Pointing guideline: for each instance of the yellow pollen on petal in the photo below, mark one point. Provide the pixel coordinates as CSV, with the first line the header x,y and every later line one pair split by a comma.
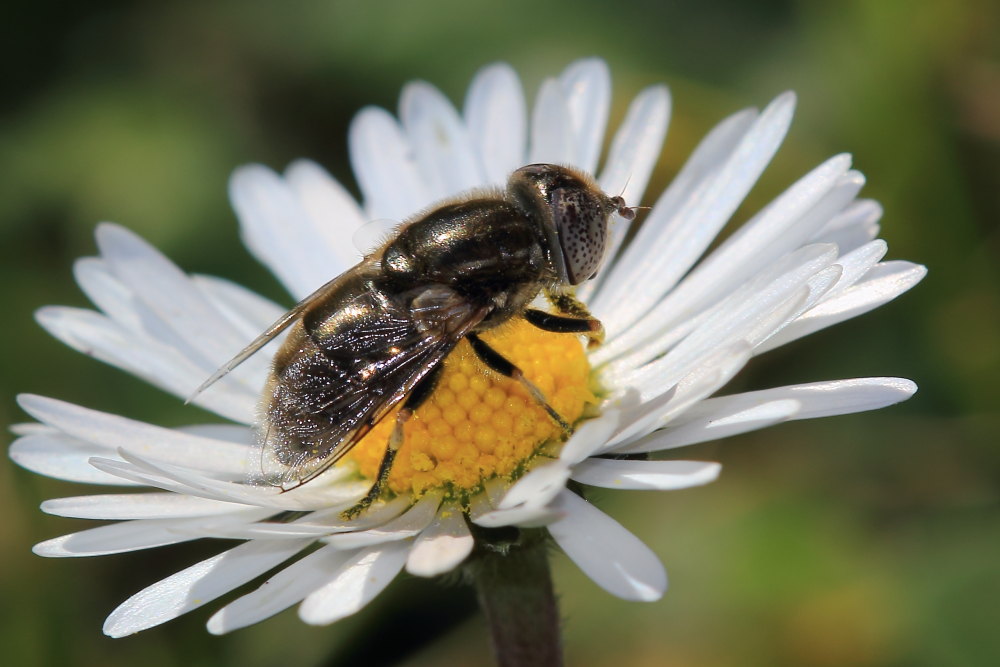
x,y
478,424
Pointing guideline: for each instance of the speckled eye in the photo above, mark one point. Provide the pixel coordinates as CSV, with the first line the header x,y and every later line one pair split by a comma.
x,y
582,225
572,212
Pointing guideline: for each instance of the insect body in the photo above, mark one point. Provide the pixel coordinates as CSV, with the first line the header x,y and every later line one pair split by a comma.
x,y
376,336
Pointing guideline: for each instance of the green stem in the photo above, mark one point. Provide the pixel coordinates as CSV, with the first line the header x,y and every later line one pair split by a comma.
x,y
514,587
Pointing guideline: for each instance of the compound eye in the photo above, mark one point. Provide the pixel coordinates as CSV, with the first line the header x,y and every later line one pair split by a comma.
x,y
582,228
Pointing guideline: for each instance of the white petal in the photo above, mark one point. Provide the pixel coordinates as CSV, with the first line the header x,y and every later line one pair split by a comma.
x,y
112,432
31,428
383,164
842,397
279,232
636,146
640,416
751,313
551,127
827,399
779,229
745,329
332,209
279,592
479,505
633,155
707,377
127,310
692,426
62,457
136,338
263,530
657,475
607,553
170,293
406,525
372,235
525,516
188,481
586,86
139,475
692,222
234,433
818,287
316,524
109,294
537,487
852,238
749,321
590,437
440,144
729,415
361,578
442,546
97,336
127,536
856,264
882,284
197,585
496,115
527,502
495,489
122,506
854,226
709,155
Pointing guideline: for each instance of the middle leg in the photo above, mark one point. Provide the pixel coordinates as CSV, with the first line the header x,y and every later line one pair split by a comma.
x,y
505,367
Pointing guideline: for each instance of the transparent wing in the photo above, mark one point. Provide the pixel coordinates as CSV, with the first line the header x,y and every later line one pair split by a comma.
x,y
329,396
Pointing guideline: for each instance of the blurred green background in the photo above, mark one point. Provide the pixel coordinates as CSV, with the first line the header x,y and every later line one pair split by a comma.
x,y
864,540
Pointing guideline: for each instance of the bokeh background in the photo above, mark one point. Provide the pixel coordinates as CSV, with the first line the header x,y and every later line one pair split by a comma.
x,y
864,540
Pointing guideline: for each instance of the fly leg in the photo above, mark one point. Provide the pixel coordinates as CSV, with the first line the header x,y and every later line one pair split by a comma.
x,y
501,365
420,393
575,318
560,324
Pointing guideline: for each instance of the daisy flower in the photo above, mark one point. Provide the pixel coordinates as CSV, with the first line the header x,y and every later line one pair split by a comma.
x,y
479,455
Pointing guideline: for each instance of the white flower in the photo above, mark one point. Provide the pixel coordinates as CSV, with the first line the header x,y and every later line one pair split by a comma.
x,y
678,330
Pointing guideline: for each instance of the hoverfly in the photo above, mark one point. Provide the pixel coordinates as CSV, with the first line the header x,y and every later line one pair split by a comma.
x,y
376,336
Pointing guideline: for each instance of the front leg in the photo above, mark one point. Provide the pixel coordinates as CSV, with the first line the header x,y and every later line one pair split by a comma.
x,y
575,318
593,329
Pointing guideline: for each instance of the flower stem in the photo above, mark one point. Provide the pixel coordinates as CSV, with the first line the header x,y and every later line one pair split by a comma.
x,y
514,587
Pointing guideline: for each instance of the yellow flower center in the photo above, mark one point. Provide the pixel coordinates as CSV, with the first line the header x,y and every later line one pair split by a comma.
x,y
478,424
